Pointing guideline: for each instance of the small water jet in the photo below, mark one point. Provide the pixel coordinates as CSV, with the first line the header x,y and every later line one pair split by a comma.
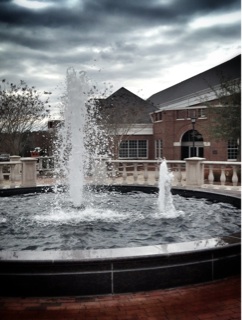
x,y
166,206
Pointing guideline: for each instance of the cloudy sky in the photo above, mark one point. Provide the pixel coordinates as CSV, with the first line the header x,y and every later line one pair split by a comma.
x,y
142,45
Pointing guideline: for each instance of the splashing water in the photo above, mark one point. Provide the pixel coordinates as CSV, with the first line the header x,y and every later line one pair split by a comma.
x,y
165,200
73,154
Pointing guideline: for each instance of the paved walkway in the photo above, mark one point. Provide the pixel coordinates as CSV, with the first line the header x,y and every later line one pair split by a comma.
x,y
218,300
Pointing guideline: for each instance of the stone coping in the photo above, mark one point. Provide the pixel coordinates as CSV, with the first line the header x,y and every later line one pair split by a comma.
x,y
120,253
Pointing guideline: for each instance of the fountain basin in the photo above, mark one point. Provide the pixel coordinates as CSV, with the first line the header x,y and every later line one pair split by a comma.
x,y
121,270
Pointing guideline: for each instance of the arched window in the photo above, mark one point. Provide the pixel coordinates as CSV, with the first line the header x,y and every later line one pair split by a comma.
x,y
188,136
191,144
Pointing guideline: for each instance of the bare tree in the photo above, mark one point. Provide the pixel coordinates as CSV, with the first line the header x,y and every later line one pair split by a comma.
x,y
121,113
21,111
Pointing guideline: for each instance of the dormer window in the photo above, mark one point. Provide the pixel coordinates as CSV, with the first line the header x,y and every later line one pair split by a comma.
x,y
157,116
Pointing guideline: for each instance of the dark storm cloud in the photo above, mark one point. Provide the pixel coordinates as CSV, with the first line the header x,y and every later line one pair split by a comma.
x,y
97,11
130,39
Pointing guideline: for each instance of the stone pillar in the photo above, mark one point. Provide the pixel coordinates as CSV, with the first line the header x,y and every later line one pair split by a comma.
x,y
194,171
29,172
17,168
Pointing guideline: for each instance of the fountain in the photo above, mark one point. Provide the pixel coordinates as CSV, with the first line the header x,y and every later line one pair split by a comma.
x,y
51,262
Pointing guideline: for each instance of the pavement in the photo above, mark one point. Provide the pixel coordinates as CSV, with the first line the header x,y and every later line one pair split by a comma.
x,y
219,300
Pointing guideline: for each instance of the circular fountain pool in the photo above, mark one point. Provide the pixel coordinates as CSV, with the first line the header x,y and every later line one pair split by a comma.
x,y
47,221
118,270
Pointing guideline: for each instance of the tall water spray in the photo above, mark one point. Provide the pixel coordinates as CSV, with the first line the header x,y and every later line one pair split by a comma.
x,y
72,135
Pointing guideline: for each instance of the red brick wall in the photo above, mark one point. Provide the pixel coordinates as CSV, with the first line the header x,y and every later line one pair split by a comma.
x,y
171,130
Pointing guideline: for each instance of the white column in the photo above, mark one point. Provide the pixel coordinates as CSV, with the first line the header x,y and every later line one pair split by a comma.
x,y
223,176
210,175
124,173
194,171
179,175
1,176
29,172
146,173
135,172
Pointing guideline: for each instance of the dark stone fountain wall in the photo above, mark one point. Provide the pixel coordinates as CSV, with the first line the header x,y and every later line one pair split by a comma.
x,y
112,271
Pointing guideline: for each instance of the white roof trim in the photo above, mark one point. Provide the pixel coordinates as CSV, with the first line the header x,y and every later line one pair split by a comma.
x,y
139,129
191,99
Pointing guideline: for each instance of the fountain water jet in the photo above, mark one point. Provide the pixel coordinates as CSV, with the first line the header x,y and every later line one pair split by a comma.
x,y
72,135
165,200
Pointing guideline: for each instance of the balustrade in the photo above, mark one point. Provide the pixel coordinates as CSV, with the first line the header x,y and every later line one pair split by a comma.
x,y
18,173
144,172
45,164
215,174
8,174
222,173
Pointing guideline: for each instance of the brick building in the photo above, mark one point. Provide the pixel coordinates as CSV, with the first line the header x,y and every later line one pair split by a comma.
x,y
175,123
181,125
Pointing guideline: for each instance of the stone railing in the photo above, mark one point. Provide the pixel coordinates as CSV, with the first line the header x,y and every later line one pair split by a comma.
x,y
45,164
222,173
192,172
18,172
144,172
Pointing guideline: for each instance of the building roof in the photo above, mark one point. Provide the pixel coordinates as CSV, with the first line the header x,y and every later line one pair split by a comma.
x,y
126,102
189,90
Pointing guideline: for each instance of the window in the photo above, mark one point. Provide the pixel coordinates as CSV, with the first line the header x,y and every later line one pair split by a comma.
x,y
157,116
232,150
133,149
201,113
158,149
191,113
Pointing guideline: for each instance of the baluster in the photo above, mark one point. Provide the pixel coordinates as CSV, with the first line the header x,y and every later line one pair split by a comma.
x,y
135,172
223,176
235,176
210,175
47,163
113,177
124,173
179,175
1,176
12,176
38,164
157,166
146,173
